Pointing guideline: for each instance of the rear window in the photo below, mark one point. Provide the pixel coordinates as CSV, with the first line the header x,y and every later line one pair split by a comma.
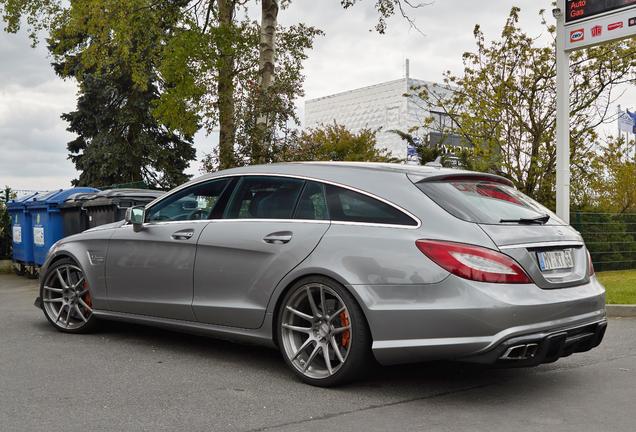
x,y
485,202
349,206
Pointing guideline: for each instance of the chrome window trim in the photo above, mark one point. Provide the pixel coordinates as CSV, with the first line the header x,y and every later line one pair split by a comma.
x,y
261,174
574,243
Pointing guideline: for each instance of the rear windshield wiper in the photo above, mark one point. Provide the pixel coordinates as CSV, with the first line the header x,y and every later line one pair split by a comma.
x,y
539,220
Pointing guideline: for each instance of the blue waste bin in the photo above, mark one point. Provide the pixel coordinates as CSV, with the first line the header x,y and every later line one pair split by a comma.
x,y
21,233
47,221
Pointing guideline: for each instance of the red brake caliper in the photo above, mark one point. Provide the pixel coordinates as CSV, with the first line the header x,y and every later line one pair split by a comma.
x,y
87,297
346,336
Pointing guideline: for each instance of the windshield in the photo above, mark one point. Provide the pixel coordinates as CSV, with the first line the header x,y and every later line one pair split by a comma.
x,y
486,202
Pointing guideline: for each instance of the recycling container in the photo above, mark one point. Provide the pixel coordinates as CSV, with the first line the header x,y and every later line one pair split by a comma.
x,y
110,205
74,215
21,232
47,222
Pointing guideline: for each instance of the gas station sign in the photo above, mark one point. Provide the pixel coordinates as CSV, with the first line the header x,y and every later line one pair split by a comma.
x,y
592,22
581,24
577,10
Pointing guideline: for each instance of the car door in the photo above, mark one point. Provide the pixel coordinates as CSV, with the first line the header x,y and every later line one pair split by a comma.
x,y
270,225
150,272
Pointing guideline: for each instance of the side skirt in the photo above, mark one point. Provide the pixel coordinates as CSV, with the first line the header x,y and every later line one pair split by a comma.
x,y
261,336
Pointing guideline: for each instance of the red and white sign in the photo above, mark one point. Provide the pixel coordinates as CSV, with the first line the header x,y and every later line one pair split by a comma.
x,y
614,26
577,35
594,22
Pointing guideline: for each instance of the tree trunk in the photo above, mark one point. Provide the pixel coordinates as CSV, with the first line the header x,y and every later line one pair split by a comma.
x,y
269,19
267,52
226,88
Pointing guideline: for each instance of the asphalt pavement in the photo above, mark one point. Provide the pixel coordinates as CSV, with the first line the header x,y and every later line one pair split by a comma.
x,y
134,378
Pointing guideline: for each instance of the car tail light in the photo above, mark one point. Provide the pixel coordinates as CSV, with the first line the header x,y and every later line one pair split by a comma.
x,y
590,264
473,262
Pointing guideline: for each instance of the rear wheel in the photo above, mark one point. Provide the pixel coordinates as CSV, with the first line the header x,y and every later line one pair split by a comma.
x,y
66,298
322,332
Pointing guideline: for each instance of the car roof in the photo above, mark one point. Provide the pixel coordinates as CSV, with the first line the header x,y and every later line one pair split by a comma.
x,y
415,172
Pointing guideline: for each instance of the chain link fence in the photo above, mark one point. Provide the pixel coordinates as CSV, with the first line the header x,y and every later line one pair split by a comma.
x,y
610,238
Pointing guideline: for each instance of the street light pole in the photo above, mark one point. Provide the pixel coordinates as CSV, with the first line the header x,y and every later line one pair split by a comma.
x,y
563,117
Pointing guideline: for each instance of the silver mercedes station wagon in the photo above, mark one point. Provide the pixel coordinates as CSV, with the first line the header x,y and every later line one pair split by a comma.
x,y
339,263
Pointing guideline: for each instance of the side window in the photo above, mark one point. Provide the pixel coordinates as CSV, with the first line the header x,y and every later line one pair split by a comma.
x,y
349,206
193,203
264,198
313,203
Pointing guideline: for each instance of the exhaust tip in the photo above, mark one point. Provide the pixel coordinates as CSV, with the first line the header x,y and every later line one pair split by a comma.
x,y
520,352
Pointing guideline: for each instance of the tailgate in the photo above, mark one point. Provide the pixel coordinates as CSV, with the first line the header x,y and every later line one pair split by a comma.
x,y
553,256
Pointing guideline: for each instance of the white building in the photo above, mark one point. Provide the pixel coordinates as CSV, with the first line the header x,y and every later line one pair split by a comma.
x,y
383,107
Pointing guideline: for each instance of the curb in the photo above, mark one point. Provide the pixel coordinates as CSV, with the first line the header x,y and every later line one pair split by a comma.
x,y
620,311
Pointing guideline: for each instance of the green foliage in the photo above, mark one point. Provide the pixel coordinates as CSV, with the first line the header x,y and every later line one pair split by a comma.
x,y
5,223
504,102
610,237
612,180
191,62
332,142
112,49
119,140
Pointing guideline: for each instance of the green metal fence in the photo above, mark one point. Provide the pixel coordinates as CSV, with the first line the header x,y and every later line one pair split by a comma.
x,y
610,238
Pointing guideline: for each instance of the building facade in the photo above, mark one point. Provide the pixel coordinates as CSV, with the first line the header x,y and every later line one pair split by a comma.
x,y
392,105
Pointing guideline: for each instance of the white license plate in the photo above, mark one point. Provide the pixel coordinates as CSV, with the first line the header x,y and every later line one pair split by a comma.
x,y
554,260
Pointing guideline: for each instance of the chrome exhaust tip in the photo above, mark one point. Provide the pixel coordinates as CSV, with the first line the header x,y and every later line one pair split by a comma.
x,y
520,352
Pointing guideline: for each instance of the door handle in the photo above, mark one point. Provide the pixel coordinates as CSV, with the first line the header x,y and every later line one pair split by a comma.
x,y
280,237
183,234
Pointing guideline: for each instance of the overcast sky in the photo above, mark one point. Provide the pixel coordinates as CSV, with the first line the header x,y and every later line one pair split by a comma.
x,y
33,137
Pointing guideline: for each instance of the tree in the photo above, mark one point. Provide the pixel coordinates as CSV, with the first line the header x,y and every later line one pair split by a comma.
x,y
612,185
215,67
331,142
119,140
5,222
504,103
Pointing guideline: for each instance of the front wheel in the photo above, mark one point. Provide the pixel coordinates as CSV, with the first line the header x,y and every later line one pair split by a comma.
x,y
322,333
66,298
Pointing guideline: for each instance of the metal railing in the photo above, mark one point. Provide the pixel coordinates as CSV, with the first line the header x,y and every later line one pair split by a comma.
x,y
610,238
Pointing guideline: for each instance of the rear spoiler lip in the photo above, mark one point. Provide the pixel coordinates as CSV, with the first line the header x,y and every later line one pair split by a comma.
x,y
462,176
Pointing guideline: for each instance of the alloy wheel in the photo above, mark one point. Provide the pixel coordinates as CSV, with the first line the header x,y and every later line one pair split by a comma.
x,y
316,331
66,297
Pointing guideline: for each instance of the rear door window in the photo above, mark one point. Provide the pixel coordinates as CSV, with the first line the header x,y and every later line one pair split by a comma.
x,y
313,203
485,202
349,206
262,197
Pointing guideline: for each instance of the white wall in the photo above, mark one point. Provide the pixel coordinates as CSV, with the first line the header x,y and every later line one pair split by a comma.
x,y
381,106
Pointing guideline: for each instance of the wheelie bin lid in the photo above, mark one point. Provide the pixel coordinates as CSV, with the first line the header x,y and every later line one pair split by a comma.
x,y
78,199
110,196
54,199
20,202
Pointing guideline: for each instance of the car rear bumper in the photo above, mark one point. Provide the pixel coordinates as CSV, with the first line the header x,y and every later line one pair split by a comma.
x,y
545,347
464,320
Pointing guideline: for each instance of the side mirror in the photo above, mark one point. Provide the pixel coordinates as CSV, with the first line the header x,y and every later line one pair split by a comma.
x,y
135,216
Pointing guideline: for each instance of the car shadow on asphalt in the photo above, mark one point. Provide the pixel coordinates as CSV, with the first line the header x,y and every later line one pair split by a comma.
x,y
441,375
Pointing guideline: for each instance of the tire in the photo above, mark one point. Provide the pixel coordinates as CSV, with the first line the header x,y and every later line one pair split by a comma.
x,y
66,298
323,349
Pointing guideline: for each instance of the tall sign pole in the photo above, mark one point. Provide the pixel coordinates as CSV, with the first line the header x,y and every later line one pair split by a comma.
x,y
581,24
562,118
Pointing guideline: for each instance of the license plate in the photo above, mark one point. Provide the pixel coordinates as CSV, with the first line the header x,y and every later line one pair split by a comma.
x,y
554,260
